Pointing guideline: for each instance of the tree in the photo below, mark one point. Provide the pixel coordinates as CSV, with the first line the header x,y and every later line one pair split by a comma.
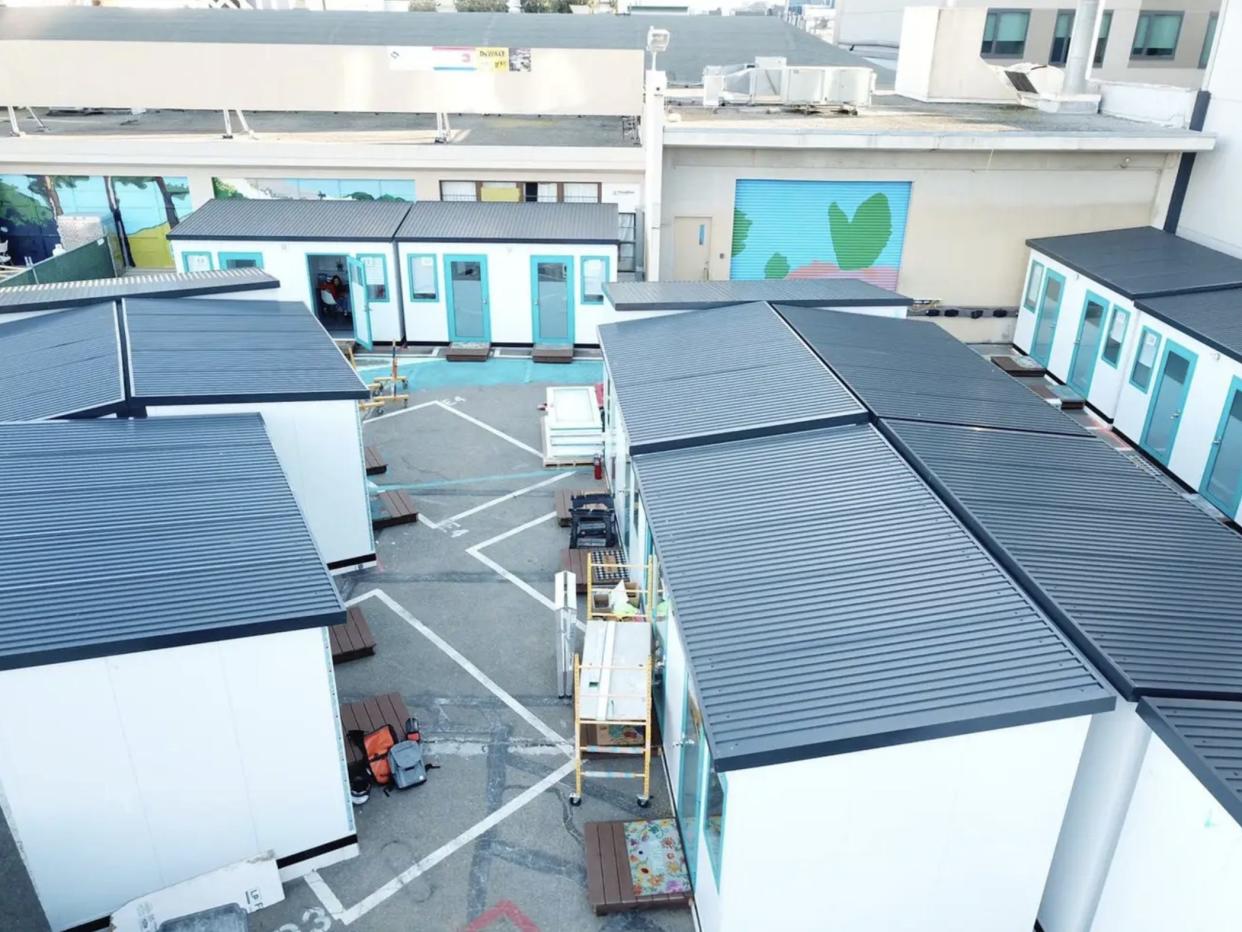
x,y
167,193
858,242
222,189
777,266
741,229
481,6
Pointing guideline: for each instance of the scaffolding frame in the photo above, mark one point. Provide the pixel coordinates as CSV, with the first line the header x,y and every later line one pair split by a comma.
x,y
646,593
603,719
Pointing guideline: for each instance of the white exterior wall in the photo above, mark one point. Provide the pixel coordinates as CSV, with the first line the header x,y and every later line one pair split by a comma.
x,y
1179,859
287,261
508,287
170,763
319,445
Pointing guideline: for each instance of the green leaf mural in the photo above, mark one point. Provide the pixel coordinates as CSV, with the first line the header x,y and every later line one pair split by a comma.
x,y
777,267
858,242
741,228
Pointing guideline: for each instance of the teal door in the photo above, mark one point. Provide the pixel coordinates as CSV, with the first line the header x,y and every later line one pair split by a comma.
x,y
466,281
359,303
689,780
1222,479
1164,414
1087,345
1046,322
552,291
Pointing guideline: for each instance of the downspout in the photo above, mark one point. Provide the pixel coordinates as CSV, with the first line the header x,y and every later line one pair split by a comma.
x,y
653,170
1081,47
1184,167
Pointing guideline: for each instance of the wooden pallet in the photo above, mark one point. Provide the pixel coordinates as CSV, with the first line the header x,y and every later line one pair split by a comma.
x,y
1018,369
352,639
468,352
574,561
375,462
610,888
561,353
370,714
398,508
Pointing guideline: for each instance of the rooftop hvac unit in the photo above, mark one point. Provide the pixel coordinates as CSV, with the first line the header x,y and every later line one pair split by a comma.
x,y
797,86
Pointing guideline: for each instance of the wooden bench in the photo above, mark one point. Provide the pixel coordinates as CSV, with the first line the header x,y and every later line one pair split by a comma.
x,y
1018,368
468,352
575,561
559,353
352,639
375,462
397,507
610,889
371,714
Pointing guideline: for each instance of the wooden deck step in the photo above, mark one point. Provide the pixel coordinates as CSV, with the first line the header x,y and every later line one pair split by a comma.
x,y
468,352
368,715
352,639
397,508
375,462
610,888
1020,368
559,353
574,561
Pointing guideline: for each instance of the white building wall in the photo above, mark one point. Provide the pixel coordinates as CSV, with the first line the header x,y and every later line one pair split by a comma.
x,y
168,764
319,445
1179,859
509,290
287,261
954,833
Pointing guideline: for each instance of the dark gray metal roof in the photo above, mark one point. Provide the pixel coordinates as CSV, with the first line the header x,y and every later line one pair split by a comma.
x,y
167,284
697,41
123,535
292,219
1145,582
915,369
61,363
829,602
1207,738
525,222
212,351
1212,317
805,292
1142,262
705,376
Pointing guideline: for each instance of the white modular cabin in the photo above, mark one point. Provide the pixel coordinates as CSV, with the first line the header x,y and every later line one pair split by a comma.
x,y
335,257
183,665
1146,326
813,753
526,274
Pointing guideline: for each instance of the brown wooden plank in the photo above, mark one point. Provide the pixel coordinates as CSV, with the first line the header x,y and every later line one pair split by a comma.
x,y
375,464
397,507
608,866
621,855
595,880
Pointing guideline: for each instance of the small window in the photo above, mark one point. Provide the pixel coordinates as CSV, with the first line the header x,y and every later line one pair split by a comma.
x,y
627,233
1101,41
196,261
1145,360
1031,299
1061,38
594,274
424,283
241,260
1156,35
1207,41
581,192
1116,336
375,274
713,818
459,191
1004,33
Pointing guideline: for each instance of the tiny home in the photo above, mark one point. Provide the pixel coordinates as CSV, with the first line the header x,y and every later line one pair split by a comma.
x,y
516,273
159,356
336,257
631,300
164,618
1145,326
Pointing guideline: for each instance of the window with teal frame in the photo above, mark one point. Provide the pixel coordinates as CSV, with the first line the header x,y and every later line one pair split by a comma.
x,y
1145,359
594,273
375,271
1034,281
424,277
196,262
714,815
241,260
1116,336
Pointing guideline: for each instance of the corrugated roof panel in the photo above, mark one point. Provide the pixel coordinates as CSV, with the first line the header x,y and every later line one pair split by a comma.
x,y
1143,262
165,284
61,363
123,535
1144,581
1212,317
211,350
696,295
830,602
684,378
1207,738
917,370
523,222
242,219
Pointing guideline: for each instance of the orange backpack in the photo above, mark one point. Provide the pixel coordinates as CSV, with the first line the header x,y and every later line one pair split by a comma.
x,y
375,745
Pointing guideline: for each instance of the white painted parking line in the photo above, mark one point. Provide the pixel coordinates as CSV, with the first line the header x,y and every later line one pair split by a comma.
x,y
520,583
512,495
513,530
417,407
490,429
329,899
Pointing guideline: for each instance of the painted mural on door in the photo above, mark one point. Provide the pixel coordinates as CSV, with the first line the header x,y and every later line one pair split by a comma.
x,y
819,229
139,210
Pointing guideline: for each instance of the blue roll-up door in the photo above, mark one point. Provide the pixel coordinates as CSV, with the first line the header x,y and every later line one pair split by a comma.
x,y
819,229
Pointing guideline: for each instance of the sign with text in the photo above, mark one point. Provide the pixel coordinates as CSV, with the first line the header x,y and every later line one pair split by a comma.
x,y
457,58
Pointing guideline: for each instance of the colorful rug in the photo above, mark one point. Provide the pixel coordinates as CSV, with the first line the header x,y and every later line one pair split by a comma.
x,y
656,862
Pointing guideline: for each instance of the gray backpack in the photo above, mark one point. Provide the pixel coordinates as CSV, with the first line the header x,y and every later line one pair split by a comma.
x,y
405,761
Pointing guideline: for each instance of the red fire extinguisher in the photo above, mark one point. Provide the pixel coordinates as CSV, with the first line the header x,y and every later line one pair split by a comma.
x,y
599,466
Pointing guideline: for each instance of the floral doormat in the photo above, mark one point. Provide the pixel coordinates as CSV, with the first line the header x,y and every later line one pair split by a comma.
x,y
657,864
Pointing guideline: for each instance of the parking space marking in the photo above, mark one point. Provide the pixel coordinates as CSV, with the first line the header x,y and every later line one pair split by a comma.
x,y
512,495
495,567
417,407
489,428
